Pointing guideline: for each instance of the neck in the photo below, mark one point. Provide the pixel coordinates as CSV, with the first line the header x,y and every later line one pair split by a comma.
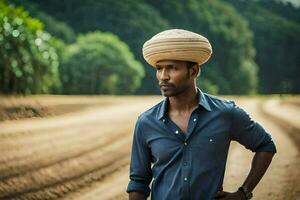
x,y
185,101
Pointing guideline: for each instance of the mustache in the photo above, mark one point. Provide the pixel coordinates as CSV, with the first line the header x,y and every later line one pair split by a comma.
x,y
165,84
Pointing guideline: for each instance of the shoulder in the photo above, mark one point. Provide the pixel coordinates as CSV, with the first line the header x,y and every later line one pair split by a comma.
x,y
219,103
228,107
151,112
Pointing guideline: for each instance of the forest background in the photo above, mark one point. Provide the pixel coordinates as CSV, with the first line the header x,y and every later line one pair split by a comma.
x,y
95,47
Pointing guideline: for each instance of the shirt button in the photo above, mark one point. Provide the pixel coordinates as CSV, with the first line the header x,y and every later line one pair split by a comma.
x,y
185,163
176,132
185,144
195,119
185,179
210,140
163,120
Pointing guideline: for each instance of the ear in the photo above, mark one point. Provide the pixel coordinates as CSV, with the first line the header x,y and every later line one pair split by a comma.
x,y
199,70
195,70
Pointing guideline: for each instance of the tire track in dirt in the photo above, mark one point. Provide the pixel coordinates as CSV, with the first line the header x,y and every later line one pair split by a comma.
x,y
111,187
66,187
282,178
31,163
285,115
64,171
67,136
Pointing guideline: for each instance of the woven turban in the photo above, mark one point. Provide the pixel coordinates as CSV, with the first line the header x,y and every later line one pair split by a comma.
x,y
177,44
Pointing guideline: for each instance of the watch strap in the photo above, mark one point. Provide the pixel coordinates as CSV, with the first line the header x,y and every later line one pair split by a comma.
x,y
247,193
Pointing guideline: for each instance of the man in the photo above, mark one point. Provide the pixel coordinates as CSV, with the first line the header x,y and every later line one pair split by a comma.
x,y
182,142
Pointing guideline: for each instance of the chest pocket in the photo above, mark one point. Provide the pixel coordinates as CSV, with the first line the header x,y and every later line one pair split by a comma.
x,y
208,149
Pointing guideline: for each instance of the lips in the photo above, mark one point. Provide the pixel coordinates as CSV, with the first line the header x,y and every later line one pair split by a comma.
x,y
165,85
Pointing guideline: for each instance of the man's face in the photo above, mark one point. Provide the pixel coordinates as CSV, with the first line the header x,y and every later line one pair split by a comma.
x,y
173,76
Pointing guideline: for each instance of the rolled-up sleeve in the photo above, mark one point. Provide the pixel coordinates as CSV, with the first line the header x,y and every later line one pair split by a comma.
x,y
250,133
140,164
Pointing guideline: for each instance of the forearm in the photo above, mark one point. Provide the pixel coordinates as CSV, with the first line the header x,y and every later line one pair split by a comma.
x,y
137,196
260,164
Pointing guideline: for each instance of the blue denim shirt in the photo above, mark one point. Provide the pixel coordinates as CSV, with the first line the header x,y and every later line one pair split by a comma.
x,y
190,166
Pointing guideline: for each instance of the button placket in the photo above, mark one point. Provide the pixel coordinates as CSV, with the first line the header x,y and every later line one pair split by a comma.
x,y
185,172
192,123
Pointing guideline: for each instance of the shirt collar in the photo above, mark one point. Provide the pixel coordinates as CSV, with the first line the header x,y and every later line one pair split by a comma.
x,y
202,101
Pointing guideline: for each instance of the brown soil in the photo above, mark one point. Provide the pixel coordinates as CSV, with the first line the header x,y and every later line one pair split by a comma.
x,y
38,106
82,149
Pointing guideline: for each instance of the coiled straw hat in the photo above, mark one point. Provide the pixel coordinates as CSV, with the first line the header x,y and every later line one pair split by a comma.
x,y
177,44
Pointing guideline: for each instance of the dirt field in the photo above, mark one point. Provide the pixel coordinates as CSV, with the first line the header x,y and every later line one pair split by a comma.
x,y
78,147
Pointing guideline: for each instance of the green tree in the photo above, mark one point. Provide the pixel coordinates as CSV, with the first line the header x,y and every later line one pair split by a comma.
x,y
283,9
133,22
56,28
99,63
277,43
28,62
232,68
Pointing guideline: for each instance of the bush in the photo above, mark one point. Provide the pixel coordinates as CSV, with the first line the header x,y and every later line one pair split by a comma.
x,y
99,63
28,62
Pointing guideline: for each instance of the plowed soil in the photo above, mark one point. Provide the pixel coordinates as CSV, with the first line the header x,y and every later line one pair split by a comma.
x,y
78,147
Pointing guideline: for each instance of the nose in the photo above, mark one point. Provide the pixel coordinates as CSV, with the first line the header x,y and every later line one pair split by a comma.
x,y
164,75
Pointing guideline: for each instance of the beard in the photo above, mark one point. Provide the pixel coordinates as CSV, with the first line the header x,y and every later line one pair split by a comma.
x,y
170,89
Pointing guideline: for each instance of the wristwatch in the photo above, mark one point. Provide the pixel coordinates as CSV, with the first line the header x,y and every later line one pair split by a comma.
x,y
247,193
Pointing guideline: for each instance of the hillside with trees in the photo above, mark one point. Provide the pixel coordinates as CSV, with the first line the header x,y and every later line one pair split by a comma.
x,y
252,53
